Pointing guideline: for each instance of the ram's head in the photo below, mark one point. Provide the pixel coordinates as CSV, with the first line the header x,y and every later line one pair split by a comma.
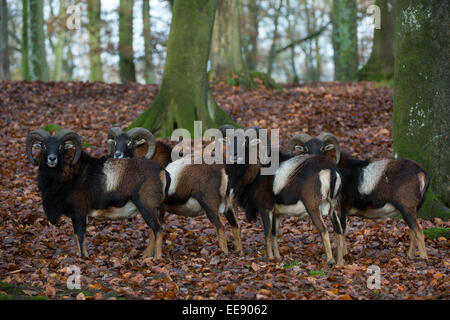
x,y
137,142
53,151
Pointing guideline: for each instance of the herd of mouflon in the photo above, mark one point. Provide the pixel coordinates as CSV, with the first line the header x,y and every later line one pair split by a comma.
x,y
139,175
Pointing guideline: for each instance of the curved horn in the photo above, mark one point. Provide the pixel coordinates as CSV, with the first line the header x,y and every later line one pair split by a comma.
x,y
142,133
35,135
330,138
114,132
66,134
298,139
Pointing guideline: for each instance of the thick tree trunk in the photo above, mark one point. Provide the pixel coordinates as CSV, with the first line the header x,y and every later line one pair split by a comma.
x,y
345,42
149,70
4,52
226,57
61,41
38,57
95,49
184,95
126,54
422,92
380,65
25,69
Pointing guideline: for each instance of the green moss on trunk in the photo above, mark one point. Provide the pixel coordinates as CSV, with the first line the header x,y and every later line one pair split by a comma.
x,y
345,42
421,94
184,95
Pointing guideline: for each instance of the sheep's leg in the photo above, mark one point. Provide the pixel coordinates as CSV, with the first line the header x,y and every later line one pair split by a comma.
x,y
275,228
416,233
151,218
412,244
79,228
420,241
151,245
267,223
320,225
213,216
340,236
231,217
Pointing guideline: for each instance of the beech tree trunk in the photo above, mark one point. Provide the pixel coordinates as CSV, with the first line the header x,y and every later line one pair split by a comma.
x,y
25,69
95,50
4,52
184,95
37,53
345,42
126,53
226,57
422,92
149,72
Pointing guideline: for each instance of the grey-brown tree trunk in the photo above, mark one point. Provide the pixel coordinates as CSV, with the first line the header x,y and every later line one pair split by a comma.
x,y
422,92
4,50
184,96
127,68
226,57
345,42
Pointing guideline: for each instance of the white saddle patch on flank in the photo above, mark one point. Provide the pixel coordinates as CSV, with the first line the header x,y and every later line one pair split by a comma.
x,y
112,169
284,171
371,174
297,209
174,169
325,179
129,210
387,211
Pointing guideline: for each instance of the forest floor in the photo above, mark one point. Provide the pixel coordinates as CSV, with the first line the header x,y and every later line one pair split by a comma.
x,y
35,256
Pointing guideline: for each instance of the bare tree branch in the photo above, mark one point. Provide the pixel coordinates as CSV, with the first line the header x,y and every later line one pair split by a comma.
x,y
308,37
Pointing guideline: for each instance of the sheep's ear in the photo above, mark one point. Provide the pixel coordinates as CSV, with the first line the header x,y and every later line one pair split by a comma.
x,y
68,146
110,141
329,147
222,140
300,148
255,142
139,142
37,146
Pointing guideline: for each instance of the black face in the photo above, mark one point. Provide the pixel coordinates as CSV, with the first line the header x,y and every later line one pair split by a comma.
x,y
314,147
122,147
52,151
240,147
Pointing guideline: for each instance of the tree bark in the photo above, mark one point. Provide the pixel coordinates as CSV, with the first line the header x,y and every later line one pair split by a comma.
x,y
25,69
272,52
345,42
184,95
61,41
95,49
380,65
38,56
226,57
253,21
4,52
422,93
126,54
149,69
